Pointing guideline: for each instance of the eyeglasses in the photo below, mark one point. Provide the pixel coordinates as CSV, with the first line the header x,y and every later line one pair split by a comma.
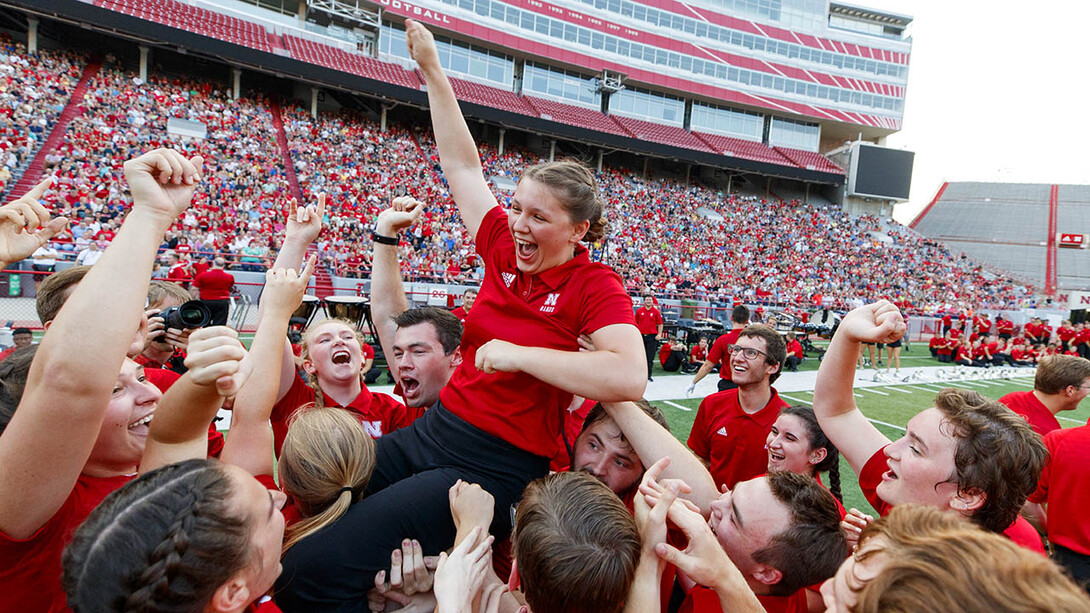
x,y
748,353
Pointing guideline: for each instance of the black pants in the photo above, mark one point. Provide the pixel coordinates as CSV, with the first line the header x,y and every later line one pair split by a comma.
x,y
219,309
651,346
676,361
1078,564
333,569
792,363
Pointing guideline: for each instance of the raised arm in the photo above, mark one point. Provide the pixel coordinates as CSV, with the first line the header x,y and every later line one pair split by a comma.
x,y
457,152
618,350
249,443
652,442
217,369
303,227
387,292
840,418
25,225
50,438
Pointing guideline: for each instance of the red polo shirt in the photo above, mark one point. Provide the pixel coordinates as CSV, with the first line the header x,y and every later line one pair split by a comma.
x,y
1029,407
702,599
1021,532
215,284
380,414
648,320
719,355
550,309
732,440
1068,474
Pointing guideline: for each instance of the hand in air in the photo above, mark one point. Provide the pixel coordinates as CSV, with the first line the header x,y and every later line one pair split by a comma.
x,y
878,322
410,580
159,333
404,211
498,356
162,182
25,225
460,575
305,222
471,505
703,560
216,357
421,45
852,526
284,288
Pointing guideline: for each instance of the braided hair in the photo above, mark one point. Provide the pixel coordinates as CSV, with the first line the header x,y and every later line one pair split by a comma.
x,y
166,541
818,440
310,378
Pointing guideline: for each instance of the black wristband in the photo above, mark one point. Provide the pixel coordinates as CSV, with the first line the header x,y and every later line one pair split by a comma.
x,y
384,240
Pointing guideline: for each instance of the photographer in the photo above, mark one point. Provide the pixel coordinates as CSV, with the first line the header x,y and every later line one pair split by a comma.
x,y
166,345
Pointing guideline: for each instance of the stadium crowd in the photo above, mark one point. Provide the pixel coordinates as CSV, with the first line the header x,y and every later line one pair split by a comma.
x,y
660,239
516,446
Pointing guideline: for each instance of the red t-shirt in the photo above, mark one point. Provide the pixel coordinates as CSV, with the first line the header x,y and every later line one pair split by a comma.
x,y
550,309
214,284
1068,474
380,414
795,348
719,355
30,569
664,353
698,353
702,599
1021,532
1065,334
460,313
1028,406
178,274
648,320
732,440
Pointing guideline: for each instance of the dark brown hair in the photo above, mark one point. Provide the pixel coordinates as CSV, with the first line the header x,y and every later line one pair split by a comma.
x,y
818,440
573,184
774,346
13,375
576,545
998,455
813,547
447,326
163,542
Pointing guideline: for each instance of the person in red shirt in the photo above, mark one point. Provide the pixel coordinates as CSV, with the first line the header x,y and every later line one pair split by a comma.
x,y
178,271
215,290
1082,340
1004,327
948,347
462,312
1062,495
718,355
99,415
649,321
22,337
724,518
699,353
1060,384
730,428
1021,355
795,354
995,456
498,418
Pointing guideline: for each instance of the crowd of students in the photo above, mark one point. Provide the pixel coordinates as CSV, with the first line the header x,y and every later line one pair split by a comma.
x,y
520,452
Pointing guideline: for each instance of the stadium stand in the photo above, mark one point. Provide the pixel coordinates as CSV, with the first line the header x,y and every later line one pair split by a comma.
x,y
194,19
576,116
338,59
809,159
742,148
491,97
659,133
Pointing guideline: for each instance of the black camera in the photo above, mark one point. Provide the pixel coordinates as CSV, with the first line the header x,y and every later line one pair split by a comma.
x,y
189,316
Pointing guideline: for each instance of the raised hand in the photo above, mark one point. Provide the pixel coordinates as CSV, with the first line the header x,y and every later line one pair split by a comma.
x,y
421,45
404,211
703,560
216,357
25,225
459,577
284,288
877,322
162,182
409,578
471,505
305,222
852,526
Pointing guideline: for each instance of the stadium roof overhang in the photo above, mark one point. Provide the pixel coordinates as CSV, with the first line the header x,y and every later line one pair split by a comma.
x,y
86,15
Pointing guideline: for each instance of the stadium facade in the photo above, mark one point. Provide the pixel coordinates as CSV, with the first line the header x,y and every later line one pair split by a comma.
x,y
755,88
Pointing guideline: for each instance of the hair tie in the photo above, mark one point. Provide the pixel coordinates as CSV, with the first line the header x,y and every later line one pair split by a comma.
x,y
347,488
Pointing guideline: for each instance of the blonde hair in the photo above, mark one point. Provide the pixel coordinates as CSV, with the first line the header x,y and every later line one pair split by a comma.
x,y
304,354
936,562
325,464
159,291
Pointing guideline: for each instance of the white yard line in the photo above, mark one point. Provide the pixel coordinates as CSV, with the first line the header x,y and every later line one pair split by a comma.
x,y
677,406
1074,421
793,399
873,391
887,424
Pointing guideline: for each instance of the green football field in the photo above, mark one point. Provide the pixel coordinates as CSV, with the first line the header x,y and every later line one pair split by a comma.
x,y
889,407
